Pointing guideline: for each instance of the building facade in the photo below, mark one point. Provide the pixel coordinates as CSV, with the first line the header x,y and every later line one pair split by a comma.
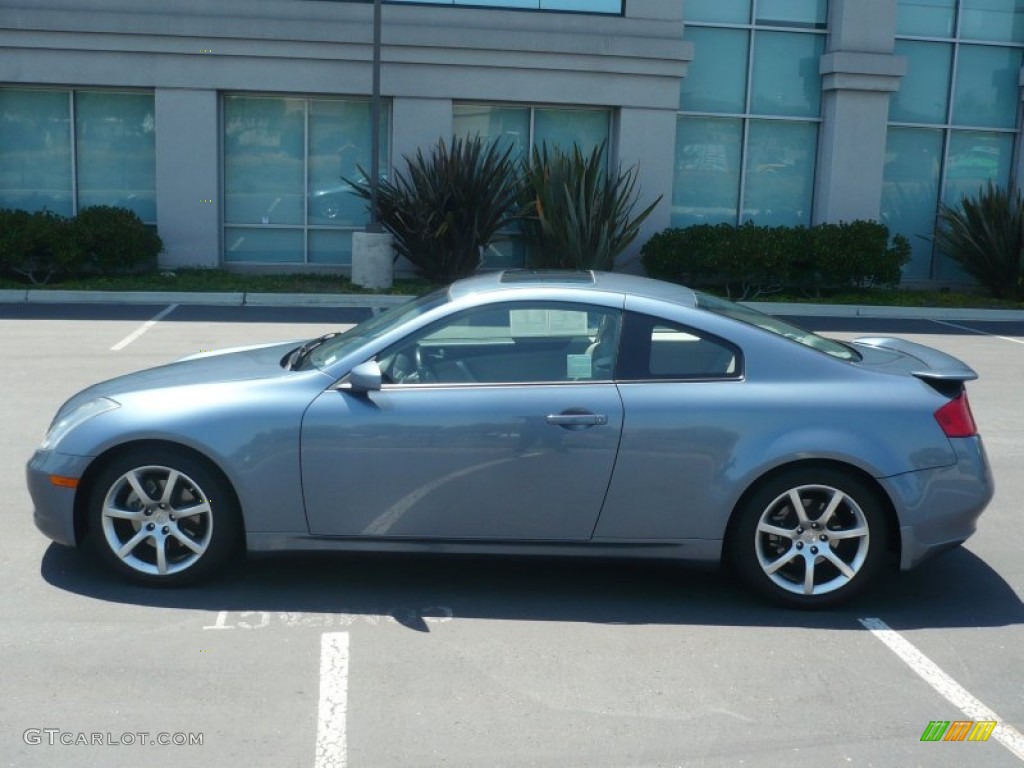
x,y
231,125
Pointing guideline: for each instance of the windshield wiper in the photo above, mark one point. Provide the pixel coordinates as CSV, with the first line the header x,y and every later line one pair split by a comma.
x,y
298,357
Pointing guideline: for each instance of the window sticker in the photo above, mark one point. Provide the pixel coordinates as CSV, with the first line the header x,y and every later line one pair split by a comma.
x,y
579,367
548,322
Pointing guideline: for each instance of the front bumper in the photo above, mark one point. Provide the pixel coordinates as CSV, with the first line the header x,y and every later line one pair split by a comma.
x,y
939,508
54,513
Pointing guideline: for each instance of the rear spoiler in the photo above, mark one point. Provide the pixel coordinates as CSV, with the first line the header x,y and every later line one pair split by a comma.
x,y
937,366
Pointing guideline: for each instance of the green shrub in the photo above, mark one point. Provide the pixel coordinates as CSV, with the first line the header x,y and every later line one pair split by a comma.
x,y
985,235
35,246
577,215
114,241
749,260
447,207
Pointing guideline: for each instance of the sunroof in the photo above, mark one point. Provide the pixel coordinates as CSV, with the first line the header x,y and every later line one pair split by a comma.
x,y
547,276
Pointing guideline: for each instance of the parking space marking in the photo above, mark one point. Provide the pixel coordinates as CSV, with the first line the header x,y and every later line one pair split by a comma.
x,y
980,333
143,328
949,688
331,743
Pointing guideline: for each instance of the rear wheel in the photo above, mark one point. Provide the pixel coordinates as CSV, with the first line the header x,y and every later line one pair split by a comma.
x,y
810,538
161,517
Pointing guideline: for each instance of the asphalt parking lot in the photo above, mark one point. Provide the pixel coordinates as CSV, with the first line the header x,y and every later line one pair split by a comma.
x,y
419,661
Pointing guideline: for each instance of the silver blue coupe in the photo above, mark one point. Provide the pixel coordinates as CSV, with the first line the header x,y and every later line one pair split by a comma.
x,y
535,413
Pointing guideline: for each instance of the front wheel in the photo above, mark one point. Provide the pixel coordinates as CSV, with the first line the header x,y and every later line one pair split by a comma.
x,y
160,517
810,538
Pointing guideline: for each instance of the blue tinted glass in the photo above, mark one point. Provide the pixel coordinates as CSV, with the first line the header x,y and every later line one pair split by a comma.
x,y
910,192
506,125
589,6
926,18
35,150
721,11
987,86
339,150
923,96
264,160
706,182
786,79
116,151
717,78
793,13
586,128
780,172
330,246
267,246
998,20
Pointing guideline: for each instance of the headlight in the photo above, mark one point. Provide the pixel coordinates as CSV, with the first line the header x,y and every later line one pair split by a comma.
x,y
59,429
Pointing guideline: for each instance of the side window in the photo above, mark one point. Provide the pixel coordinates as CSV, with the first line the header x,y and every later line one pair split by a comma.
x,y
656,349
510,343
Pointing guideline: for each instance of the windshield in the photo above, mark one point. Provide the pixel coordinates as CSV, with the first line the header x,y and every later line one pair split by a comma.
x,y
775,325
334,348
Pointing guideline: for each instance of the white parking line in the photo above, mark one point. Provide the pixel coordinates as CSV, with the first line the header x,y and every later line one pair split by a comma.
x,y
950,689
331,743
980,333
143,328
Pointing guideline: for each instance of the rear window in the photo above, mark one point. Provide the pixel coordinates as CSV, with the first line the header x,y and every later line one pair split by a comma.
x,y
776,326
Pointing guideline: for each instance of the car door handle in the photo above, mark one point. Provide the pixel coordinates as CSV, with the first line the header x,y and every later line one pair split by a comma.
x,y
576,419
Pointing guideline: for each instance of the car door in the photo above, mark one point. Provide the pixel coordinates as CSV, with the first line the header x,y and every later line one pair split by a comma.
x,y
499,422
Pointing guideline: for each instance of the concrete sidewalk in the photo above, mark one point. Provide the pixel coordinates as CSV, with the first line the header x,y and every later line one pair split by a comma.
x,y
383,301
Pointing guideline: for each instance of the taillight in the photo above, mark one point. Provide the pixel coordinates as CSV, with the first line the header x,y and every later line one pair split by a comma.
x,y
955,417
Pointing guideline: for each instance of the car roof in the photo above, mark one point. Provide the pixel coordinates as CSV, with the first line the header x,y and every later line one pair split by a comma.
x,y
601,282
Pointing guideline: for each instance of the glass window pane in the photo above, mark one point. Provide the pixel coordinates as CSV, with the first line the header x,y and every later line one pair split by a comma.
x,y
987,86
780,172
339,148
793,13
330,247
722,11
586,128
264,160
590,6
506,125
974,158
505,254
927,18
910,192
998,20
268,246
923,96
717,79
786,79
706,182
116,151
35,150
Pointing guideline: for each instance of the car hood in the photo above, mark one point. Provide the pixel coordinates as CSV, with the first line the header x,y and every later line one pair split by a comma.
x,y
238,364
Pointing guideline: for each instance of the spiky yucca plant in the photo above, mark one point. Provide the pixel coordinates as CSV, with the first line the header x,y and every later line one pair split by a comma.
x,y
985,235
447,206
577,214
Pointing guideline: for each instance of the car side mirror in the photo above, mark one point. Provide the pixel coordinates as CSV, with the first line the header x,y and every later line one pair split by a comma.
x,y
366,377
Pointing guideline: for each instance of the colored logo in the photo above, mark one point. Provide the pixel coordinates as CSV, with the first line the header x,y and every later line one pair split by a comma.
x,y
958,730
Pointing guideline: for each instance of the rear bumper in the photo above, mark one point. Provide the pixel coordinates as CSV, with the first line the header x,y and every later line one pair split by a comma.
x,y
54,513
939,508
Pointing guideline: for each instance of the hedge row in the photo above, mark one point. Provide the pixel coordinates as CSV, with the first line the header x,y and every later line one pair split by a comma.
x,y
749,260
102,240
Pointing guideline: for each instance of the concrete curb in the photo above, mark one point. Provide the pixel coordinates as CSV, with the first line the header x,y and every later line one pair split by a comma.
x,y
901,313
133,297
323,300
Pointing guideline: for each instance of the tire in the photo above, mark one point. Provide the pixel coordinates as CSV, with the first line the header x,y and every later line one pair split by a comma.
x,y
815,555
136,523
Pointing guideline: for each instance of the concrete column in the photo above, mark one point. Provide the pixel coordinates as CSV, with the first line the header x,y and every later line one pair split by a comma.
x,y
373,260
188,177
418,124
859,71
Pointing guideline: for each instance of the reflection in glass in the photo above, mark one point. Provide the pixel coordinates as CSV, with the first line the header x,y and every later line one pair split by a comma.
x,y
721,11
506,125
793,13
926,18
996,20
785,74
987,86
923,96
780,172
35,150
706,183
270,246
586,128
330,246
717,78
910,192
116,151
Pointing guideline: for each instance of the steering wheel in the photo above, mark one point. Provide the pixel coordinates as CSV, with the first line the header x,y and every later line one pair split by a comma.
x,y
423,369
